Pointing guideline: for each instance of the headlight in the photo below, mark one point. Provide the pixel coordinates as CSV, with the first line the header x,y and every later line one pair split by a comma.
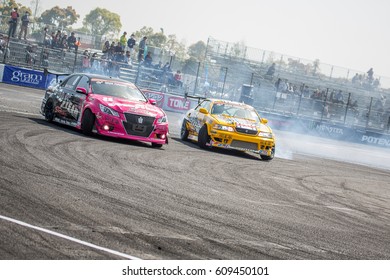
x,y
163,119
108,111
223,127
265,134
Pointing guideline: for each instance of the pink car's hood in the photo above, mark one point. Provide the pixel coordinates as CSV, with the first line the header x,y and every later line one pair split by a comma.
x,y
130,106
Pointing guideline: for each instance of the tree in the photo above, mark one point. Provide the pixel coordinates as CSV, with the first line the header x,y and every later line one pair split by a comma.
x,y
197,51
155,39
102,22
59,17
6,9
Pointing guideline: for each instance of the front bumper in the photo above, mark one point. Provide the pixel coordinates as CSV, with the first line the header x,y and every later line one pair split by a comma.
x,y
117,127
242,142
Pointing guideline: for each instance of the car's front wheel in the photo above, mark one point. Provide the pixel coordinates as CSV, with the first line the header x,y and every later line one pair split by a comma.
x,y
184,131
270,157
49,111
203,137
88,122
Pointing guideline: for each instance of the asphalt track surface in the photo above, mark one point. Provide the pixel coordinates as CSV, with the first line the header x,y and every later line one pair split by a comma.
x,y
67,196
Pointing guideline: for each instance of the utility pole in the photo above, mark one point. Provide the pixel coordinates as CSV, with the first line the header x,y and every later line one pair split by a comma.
x,y
36,2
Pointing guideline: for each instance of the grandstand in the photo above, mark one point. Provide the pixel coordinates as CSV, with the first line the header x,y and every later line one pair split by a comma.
x,y
306,89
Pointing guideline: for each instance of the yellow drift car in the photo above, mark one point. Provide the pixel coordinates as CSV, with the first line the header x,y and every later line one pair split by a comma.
x,y
230,125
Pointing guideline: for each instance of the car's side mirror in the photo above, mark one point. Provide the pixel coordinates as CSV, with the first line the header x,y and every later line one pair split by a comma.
x,y
152,101
81,90
264,121
203,111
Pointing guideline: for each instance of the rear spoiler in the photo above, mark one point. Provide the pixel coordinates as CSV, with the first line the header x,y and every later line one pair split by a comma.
x,y
57,74
200,98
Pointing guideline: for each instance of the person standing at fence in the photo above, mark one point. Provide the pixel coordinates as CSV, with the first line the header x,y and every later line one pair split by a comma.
x,y
24,26
130,45
123,40
72,41
13,22
141,49
86,62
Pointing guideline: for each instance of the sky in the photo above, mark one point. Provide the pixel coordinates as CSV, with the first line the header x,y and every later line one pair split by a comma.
x,y
353,34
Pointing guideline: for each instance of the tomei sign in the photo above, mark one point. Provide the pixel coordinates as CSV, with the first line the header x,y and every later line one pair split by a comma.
x,y
178,103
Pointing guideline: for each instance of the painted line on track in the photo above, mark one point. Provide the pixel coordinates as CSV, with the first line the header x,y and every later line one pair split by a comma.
x,y
126,256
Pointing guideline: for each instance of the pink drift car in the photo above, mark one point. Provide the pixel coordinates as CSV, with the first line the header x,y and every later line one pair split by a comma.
x,y
107,106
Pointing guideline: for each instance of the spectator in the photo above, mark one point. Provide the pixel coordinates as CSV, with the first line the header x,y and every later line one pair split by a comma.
x,y
277,84
57,39
355,79
95,63
86,62
13,22
271,71
376,83
177,77
118,48
106,47
148,60
63,43
4,49
30,55
131,44
24,26
72,41
45,58
123,40
46,37
111,50
142,48
77,44
339,98
127,58
370,76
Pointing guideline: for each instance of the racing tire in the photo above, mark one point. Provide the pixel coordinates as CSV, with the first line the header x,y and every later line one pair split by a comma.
x,y
49,111
155,145
268,158
184,131
203,137
88,122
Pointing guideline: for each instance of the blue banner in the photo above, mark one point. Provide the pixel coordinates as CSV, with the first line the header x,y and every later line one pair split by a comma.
x,y
24,77
328,130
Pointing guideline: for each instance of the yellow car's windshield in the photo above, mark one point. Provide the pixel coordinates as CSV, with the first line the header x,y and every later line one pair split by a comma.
x,y
235,111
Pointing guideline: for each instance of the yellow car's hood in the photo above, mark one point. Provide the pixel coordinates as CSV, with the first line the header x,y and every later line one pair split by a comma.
x,y
241,123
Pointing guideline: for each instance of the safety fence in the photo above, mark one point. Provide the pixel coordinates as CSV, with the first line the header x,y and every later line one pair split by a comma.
x,y
223,76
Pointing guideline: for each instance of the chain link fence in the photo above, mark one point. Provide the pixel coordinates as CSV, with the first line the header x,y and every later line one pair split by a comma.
x,y
296,88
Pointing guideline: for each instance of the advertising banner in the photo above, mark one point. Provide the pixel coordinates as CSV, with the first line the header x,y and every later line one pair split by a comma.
x,y
177,103
24,77
158,96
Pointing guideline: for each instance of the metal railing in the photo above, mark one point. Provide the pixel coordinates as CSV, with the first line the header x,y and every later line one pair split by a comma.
x,y
223,77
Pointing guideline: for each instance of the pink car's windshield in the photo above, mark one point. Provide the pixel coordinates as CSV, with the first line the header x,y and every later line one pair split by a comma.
x,y
117,89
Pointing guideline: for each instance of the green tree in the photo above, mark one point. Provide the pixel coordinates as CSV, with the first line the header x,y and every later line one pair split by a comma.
x,y
155,39
6,8
197,51
102,22
59,17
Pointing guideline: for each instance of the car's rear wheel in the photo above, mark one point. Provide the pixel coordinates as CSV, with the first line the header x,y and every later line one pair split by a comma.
x,y
49,111
184,131
203,137
88,122
270,157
